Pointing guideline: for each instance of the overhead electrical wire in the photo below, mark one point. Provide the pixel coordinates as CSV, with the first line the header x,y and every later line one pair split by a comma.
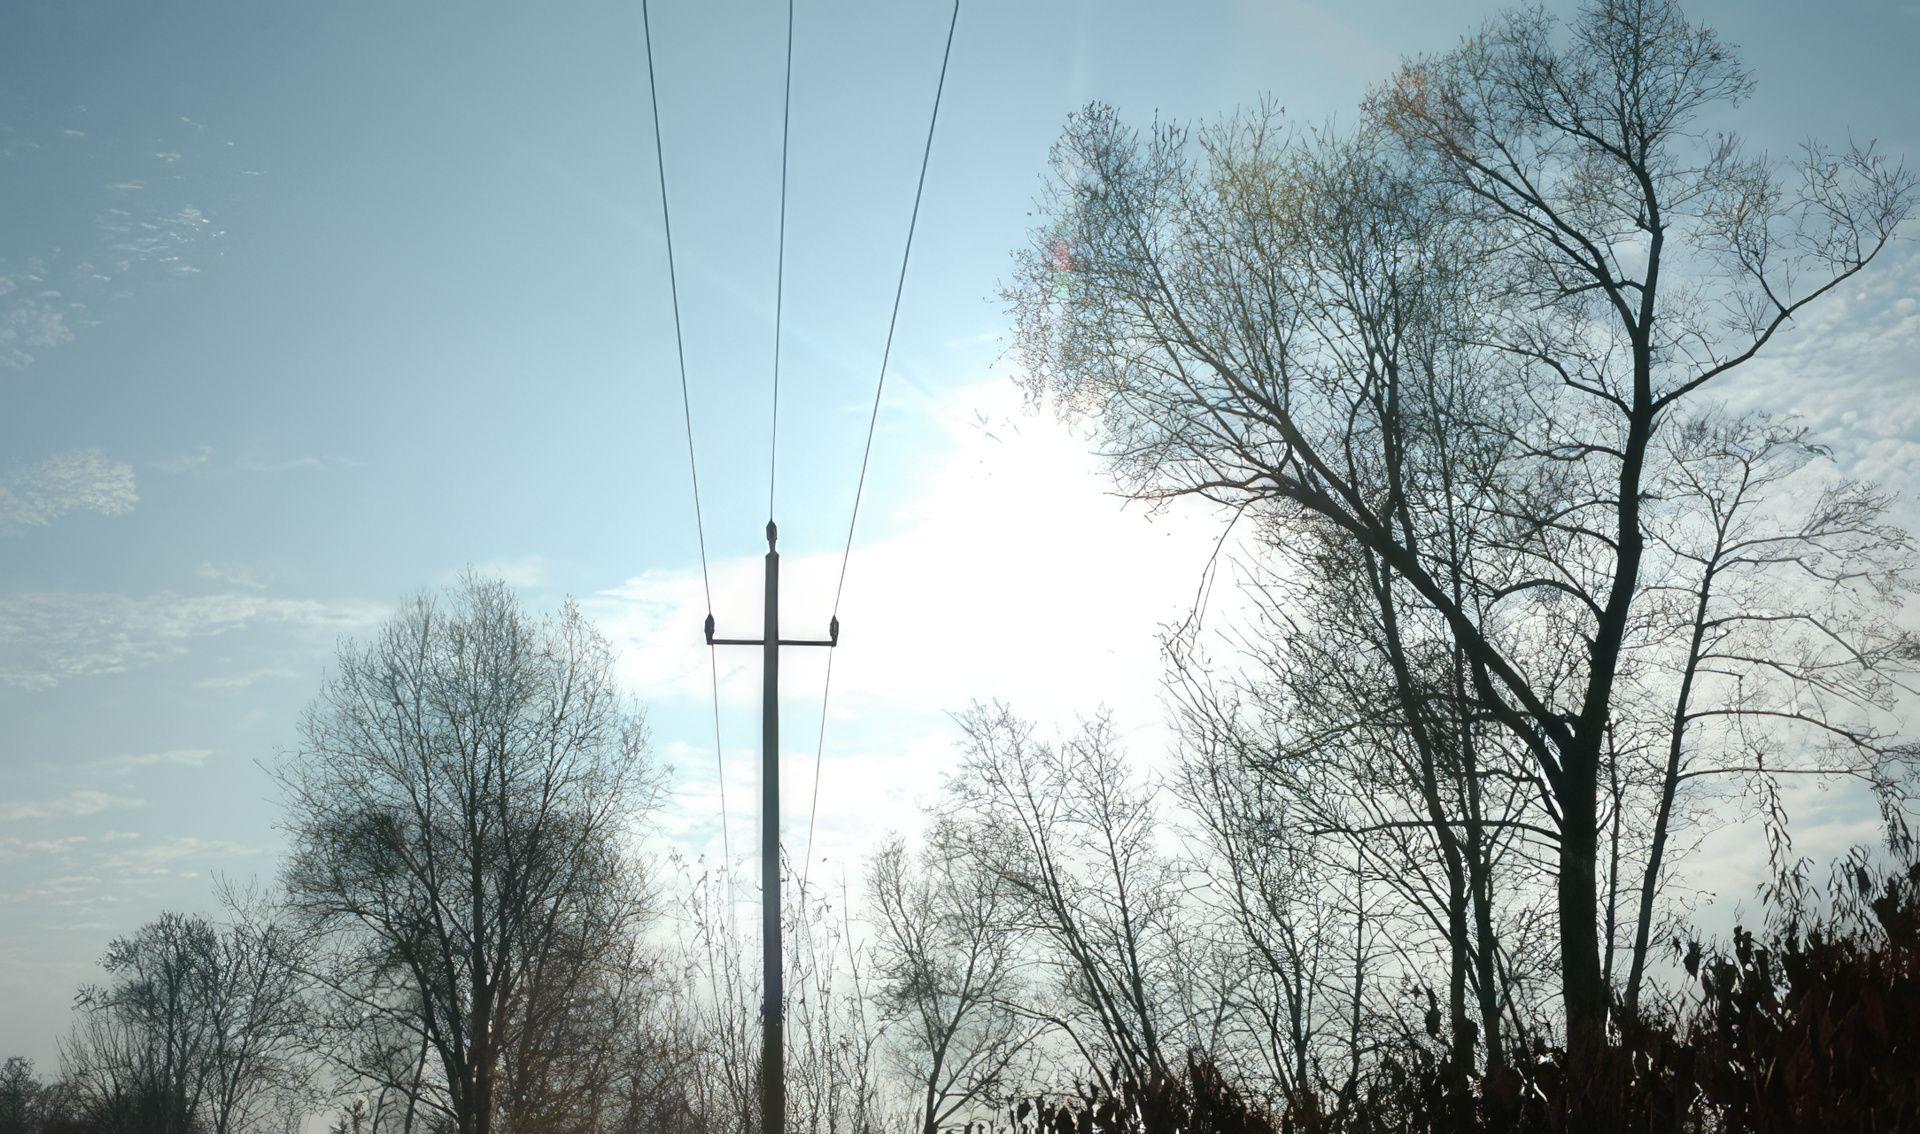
x,y
693,466
873,418
866,455
780,270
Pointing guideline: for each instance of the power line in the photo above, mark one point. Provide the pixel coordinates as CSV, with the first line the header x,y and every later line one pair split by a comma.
x,y
873,419
780,270
720,773
686,413
899,287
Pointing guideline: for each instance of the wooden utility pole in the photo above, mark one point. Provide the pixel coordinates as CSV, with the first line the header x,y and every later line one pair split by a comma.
x,y
773,1067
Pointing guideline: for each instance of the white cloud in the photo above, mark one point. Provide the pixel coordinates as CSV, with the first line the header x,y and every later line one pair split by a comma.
x,y
236,681
32,317
232,574
62,890
171,758
69,806
296,464
15,849
192,459
1850,365
52,636
139,231
82,480
76,873
166,856
523,571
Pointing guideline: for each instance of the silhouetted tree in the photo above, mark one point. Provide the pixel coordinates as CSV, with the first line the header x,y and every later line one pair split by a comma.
x,y
1070,828
1547,221
460,807
947,967
196,1029
20,1091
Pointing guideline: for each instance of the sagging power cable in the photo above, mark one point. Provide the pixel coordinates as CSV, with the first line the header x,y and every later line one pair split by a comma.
x,y
686,413
873,419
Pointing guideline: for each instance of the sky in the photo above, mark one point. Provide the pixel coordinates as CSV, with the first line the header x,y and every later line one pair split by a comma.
x,y
307,307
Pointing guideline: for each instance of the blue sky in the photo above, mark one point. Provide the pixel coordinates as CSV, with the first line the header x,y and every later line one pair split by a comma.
x,y
304,307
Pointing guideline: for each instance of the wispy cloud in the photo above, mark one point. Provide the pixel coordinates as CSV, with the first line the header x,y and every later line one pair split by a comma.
x,y
1847,367
229,682
33,316
232,574
201,457
167,856
147,217
81,480
13,848
71,891
185,462
52,636
522,571
296,464
77,872
69,806
171,758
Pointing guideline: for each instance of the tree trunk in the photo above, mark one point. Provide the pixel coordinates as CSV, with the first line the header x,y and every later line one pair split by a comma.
x,y
1676,740
1486,963
1584,991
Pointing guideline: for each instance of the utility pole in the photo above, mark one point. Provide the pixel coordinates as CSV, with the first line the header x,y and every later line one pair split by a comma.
x,y
773,1066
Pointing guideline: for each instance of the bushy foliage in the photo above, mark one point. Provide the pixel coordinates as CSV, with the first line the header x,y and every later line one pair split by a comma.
x,y
1821,1030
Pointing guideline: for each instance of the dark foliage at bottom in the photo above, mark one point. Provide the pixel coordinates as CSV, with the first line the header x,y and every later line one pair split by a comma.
x,y
1798,1031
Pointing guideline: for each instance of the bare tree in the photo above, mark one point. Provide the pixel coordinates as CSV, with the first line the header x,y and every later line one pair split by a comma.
x,y
1289,972
1072,830
1345,747
1773,590
947,967
705,1030
259,1016
197,1028
835,1073
568,1066
1544,210
720,1006
20,1091
139,1050
460,808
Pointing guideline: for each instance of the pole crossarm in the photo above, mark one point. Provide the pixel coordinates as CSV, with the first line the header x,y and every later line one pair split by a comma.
x,y
833,641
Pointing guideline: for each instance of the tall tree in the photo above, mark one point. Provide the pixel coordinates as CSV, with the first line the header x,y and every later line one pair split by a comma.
x,y
460,807
1545,211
